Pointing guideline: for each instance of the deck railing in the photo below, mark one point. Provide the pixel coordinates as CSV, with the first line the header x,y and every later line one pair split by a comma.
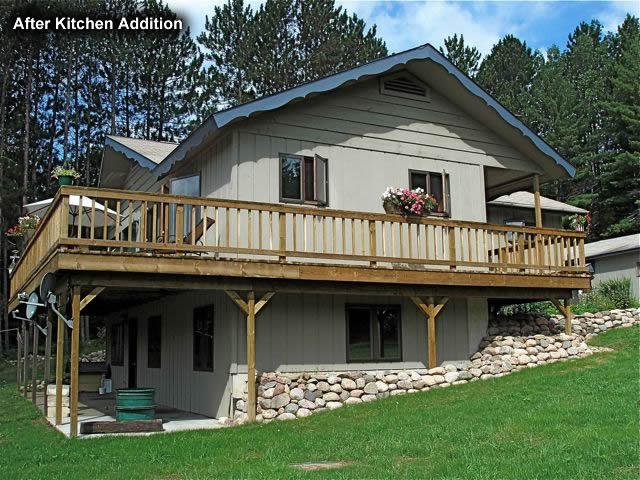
x,y
117,220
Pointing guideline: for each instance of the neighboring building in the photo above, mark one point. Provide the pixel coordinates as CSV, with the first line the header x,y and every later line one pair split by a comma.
x,y
615,258
274,206
518,208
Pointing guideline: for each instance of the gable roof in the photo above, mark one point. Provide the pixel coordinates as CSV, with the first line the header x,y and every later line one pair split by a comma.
x,y
394,62
527,200
146,152
612,245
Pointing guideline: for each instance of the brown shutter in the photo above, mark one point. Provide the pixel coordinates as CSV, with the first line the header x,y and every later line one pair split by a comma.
x,y
321,180
446,193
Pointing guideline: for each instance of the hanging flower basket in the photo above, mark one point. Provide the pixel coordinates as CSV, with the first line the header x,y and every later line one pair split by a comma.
x,y
65,175
402,201
580,223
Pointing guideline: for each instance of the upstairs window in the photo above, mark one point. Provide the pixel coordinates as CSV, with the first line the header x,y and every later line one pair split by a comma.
x,y
303,179
435,184
405,85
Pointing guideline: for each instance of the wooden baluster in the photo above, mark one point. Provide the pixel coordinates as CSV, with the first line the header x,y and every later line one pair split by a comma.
x,y
282,218
250,229
581,250
143,237
384,238
130,215
314,232
260,229
179,223
418,240
521,250
333,235
324,234
304,232
238,227
469,244
93,219
393,239
193,224
216,225
576,258
227,213
410,238
270,230
294,218
401,230
204,214
343,222
426,242
452,247
435,242
373,250
105,218
362,246
80,212
353,236
117,220
154,224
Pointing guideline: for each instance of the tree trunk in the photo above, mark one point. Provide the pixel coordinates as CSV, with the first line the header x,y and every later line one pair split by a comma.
x,y
76,113
126,105
67,101
113,94
36,102
4,324
87,173
27,113
52,132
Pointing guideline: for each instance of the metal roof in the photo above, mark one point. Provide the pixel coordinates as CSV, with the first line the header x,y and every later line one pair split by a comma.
x,y
425,52
612,245
147,153
527,200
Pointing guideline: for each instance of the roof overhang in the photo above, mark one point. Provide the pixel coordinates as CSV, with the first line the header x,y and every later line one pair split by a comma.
x,y
424,62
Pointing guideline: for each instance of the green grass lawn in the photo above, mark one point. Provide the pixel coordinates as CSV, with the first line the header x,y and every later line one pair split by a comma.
x,y
577,419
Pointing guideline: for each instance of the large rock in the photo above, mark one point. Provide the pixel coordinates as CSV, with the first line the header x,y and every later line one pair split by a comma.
x,y
333,405
286,416
333,379
303,412
324,386
451,377
382,387
280,400
405,384
371,388
352,401
296,394
348,384
291,408
437,371
306,404
331,397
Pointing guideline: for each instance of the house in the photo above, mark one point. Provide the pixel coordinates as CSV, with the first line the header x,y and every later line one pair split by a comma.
x,y
518,208
260,241
615,258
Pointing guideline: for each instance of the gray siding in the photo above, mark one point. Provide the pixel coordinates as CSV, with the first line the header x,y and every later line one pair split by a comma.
x,y
623,265
293,333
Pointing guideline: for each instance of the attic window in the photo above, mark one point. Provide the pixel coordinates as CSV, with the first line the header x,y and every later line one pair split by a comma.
x,y
404,85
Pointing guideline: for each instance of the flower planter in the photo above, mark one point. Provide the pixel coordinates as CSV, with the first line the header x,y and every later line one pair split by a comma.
x,y
395,210
65,180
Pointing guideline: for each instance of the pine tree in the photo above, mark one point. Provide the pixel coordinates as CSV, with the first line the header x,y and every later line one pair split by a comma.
x,y
620,195
462,56
227,39
508,72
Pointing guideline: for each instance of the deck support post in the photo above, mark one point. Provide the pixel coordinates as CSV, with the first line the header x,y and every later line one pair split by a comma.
x,y
59,368
250,308
75,347
25,355
47,357
565,310
18,358
34,365
431,308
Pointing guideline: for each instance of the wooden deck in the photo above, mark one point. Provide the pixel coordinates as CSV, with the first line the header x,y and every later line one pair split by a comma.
x,y
125,232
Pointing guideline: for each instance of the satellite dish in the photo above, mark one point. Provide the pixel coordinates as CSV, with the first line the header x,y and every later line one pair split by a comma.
x,y
32,306
47,285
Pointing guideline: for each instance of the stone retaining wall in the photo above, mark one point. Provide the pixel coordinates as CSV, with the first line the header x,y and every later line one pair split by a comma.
x,y
512,343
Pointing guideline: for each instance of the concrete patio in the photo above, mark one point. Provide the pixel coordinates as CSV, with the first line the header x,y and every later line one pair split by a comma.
x,y
94,407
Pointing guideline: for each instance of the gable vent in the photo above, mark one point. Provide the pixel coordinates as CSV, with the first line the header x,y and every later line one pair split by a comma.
x,y
404,85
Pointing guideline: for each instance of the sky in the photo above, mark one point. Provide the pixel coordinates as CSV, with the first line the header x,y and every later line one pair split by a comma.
x,y
407,24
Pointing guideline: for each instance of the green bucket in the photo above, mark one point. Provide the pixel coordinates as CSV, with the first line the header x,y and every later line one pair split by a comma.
x,y
135,404
135,413
65,180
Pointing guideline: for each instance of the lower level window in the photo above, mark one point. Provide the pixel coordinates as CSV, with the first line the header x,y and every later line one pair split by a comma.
x,y
117,344
203,338
373,333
